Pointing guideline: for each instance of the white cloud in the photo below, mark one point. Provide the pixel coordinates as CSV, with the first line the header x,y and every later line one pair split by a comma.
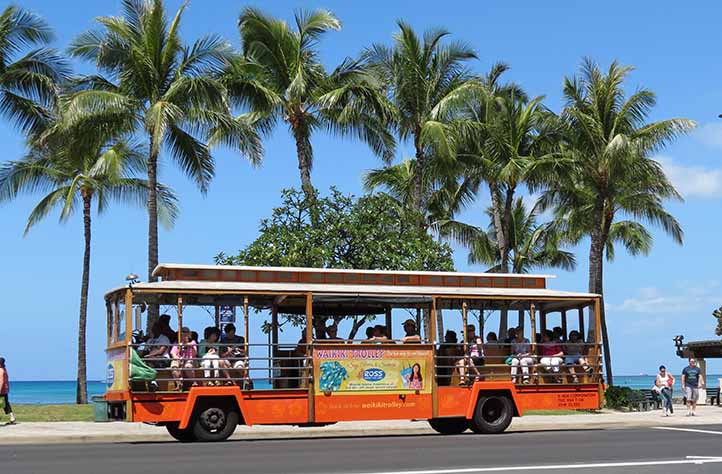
x,y
684,298
710,134
693,181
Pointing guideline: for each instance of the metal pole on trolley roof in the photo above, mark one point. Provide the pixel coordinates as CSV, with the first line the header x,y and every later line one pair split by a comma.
x,y
180,319
245,322
465,321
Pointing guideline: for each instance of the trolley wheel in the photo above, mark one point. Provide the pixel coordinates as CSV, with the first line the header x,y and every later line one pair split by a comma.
x,y
215,423
449,426
184,436
492,415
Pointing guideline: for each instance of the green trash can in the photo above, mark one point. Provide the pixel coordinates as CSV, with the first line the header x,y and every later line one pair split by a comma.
x,y
100,409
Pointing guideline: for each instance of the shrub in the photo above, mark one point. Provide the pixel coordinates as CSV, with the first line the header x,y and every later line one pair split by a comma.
x,y
618,397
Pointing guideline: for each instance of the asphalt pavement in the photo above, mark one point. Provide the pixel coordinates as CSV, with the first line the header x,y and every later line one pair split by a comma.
x,y
603,451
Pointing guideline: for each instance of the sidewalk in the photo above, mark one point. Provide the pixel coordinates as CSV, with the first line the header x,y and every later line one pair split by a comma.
x,y
79,432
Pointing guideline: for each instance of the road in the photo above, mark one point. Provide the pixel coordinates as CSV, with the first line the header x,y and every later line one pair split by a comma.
x,y
639,450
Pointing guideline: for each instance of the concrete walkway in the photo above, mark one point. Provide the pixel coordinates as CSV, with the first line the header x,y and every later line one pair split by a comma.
x,y
79,432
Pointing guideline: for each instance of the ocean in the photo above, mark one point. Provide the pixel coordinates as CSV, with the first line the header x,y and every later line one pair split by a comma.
x,y
62,392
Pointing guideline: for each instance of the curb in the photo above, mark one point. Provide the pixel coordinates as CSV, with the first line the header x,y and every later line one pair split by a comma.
x,y
256,434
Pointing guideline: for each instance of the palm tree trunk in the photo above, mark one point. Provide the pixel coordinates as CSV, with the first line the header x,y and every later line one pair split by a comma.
x,y
153,312
81,391
305,159
507,223
501,239
596,279
499,225
419,172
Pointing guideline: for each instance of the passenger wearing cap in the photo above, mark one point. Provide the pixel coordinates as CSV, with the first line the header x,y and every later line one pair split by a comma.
x,y
182,355
412,333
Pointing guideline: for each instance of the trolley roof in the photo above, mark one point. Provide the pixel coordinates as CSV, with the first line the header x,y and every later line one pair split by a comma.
x,y
330,284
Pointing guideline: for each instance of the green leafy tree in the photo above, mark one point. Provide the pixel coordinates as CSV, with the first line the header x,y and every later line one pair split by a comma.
x,y
29,83
372,232
168,91
427,81
607,185
281,77
74,168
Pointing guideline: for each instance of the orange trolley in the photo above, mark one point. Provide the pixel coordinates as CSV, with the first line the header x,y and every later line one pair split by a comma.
x,y
320,381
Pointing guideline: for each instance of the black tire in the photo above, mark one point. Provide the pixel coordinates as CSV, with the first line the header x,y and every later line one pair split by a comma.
x,y
492,415
184,436
214,423
449,426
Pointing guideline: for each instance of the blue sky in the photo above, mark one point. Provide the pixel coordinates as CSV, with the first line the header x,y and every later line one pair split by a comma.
x,y
674,46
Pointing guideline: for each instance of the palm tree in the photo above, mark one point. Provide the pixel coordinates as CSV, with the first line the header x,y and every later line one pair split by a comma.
x,y
427,82
78,167
168,91
504,136
609,186
281,76
28,84
533,245
445,192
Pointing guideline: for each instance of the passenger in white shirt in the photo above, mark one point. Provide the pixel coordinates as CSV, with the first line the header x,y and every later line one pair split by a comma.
x,y
521,356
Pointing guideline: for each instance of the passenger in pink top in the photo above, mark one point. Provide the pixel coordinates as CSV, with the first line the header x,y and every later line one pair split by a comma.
x,y
551,352
183,355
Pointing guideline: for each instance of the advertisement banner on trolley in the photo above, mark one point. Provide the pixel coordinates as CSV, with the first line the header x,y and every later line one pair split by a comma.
x,y
359,370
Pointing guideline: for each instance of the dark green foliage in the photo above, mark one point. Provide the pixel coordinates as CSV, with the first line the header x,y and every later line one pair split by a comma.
x,y
619,397
372,232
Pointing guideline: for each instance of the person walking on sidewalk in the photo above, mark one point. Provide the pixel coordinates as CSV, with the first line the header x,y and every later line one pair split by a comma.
x,y
5,390
663,386
692,381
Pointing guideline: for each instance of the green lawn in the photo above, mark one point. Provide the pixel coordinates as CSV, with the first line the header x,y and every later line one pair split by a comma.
x,y
53,412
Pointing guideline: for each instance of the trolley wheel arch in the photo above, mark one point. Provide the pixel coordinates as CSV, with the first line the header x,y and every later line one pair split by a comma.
x,y
198,396
480,389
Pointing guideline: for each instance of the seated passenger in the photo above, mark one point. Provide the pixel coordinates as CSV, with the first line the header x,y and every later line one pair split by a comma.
x,y
156,350
551,353
474,355
183,355
574,355
491,338
510,336
521,356
377,334
165,328
557,334
210,351
332,334
412,333
233,353
449,354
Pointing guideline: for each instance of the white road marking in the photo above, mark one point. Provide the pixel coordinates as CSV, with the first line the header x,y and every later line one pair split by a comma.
x,y
471,470
691,430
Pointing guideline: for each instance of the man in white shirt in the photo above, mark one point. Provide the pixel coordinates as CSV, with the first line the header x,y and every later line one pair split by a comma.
x,y
157,347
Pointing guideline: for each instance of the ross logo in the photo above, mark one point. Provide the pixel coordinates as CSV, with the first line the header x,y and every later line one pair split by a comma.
x,y
110,375
373,375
